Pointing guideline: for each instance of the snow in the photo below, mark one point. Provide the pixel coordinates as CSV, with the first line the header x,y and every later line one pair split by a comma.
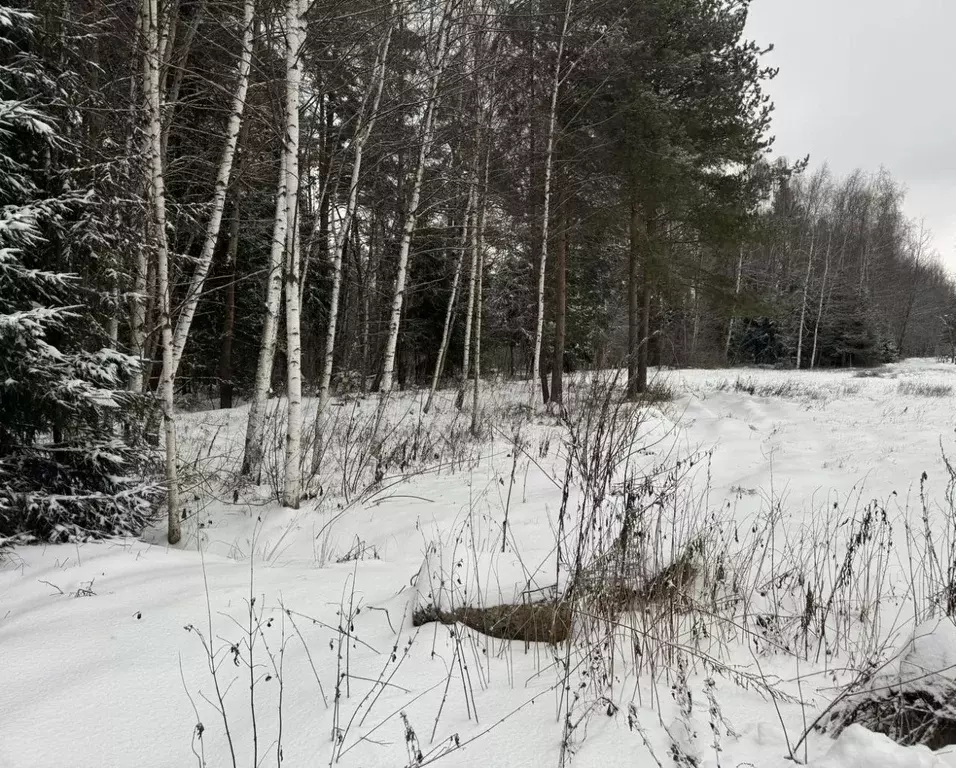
x,y
102,659
857,747
927,661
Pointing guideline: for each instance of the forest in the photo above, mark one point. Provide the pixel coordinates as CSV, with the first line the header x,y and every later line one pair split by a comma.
x,y
223,201
295,253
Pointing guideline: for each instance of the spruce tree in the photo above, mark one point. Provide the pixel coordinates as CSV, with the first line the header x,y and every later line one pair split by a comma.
x,y
64,472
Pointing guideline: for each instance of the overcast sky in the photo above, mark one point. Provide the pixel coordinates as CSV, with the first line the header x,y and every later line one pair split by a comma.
x,y
865,83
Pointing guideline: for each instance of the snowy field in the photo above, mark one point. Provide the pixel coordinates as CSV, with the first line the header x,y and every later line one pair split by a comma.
x,y
818,545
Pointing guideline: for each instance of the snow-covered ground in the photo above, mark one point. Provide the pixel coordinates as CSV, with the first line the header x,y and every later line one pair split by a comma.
x,y
789,482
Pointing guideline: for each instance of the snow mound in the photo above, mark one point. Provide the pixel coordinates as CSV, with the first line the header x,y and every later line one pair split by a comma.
x,y
859,748
912,698
928,662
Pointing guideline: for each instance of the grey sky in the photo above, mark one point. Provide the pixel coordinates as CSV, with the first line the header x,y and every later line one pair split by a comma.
x,y
865,83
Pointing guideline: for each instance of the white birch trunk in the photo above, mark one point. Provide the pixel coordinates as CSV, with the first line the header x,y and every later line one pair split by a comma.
x,y
157,188
803,304
470,308
255,427
823,288
398,295
548,163
733,318
479,304
112,330
221,188
167,41
476,366
362,136
295,32
450,310
138,320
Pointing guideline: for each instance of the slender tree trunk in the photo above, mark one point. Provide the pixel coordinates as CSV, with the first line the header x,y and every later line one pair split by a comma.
x,y
472,284
803,304
222,186
643,349
152,324
112,330
179,66
479,302
226,387
560,309
363,132
411,217
634,387
371,305
140,267
368,287
158,198
545,214
823,289
450,310
138,319
255,427
917,263
296,33
733,315
167,41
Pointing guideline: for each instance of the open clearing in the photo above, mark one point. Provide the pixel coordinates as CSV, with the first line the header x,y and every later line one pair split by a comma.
x,y
771,475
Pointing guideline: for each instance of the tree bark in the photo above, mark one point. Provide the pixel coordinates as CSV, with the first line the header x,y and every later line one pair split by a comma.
x,y
823,288
472,223
545,214
479,302
645,329
560,309
255,427
362,135
172,94
222,186
226,387
411,216
803,304
635,382
733,315
157,187
450,310
295,32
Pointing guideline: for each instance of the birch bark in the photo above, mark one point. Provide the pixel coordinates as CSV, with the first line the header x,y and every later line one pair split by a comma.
x,y
411,218
548,163
157,188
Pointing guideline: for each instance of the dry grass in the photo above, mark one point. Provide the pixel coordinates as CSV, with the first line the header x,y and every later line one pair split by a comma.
x,y
924,389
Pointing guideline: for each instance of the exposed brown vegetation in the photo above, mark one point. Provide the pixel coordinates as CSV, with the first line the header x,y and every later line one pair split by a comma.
x,y
530,622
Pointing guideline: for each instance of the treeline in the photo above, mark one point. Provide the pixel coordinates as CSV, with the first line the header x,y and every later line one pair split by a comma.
x,y
309,196
839,276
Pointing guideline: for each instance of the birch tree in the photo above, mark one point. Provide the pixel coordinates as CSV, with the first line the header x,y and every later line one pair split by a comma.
x,y
470,308
733,315
546,211
367,118
157,190
803,303
411,216
452,300
256,424
820,305
233,129
295,40
478,238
